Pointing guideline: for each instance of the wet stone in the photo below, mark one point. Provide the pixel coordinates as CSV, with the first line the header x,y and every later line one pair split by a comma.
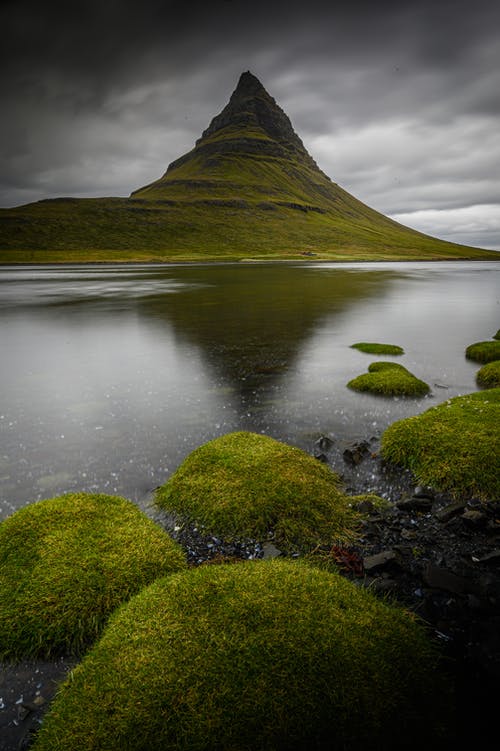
x,y
422,491
324,443
448,512
473,518
416,503
321,458
356,452
270,551
379,561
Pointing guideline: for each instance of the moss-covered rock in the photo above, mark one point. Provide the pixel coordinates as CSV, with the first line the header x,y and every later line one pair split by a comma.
x,y
249,485
389,379
483,351
370,500
454,447
373,348
488,376
265,655
66,563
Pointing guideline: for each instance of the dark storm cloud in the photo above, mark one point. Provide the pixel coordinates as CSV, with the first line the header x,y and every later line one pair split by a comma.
x,y
396,101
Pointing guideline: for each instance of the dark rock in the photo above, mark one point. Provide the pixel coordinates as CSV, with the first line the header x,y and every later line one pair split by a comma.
x,y
440,578
493,557
356,452
448,512
383,585
23,711
474,519
379,561
416,503
321,458
324,443
423,492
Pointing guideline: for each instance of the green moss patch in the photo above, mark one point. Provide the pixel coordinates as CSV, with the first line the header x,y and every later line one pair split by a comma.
x,y
249,485
489,375
371,500
483,351
67,563
372,348
265,655
454,447
389,379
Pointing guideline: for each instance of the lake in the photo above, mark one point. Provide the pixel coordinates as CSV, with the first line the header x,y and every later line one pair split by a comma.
x,y
112,374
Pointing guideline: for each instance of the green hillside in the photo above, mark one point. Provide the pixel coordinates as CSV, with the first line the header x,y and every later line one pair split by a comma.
x,y
248,189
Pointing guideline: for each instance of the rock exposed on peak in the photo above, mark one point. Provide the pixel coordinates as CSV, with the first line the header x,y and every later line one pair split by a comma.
x,y
251,105
251,129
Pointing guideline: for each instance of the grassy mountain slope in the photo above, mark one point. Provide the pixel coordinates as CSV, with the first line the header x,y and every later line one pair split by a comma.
x,y
248,189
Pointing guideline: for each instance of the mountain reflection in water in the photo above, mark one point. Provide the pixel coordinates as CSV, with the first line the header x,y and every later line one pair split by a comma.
x,y
112,375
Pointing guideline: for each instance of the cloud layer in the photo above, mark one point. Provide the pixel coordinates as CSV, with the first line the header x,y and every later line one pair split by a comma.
x,y
396,101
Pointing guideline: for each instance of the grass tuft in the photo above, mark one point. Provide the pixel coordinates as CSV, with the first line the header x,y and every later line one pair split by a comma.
x,y
488,376
389,379
249,485
264,655
66,563
453,447
483,351
373,348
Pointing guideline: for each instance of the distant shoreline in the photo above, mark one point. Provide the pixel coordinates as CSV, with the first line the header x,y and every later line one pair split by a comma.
x,y
250,261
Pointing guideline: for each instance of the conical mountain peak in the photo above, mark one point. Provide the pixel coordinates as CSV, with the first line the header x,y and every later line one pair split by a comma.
x,y
248,85
251,106
249,146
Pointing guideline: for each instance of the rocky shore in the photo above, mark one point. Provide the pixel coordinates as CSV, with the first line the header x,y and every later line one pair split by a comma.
x,y
437,557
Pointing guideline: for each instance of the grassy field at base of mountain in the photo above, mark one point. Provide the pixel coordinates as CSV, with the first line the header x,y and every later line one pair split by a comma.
x,y
121,229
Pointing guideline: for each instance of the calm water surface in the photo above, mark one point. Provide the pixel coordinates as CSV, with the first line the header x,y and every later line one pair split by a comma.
x,y
111,375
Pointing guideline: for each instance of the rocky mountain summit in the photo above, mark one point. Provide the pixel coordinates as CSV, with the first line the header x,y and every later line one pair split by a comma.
x,y
251,107
232,157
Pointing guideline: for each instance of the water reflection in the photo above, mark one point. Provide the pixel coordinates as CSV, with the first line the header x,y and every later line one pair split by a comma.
x,y
251,323
111,376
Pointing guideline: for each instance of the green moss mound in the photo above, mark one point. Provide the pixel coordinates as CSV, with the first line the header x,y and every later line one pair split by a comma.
x,y
483,351
389,379
376,501
489,375
454,446
372,348
67,563
249,485
262,655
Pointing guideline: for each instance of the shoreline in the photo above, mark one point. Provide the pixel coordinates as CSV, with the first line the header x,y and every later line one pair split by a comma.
x,y
432,556
253,261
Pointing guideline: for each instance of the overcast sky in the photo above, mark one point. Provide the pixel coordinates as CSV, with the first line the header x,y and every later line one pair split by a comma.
x,y
397,101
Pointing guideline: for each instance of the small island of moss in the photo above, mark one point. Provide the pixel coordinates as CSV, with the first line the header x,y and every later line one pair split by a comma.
x,y
389,379
373,348
483,351
488,376
266,655
245,485
453,446
67,563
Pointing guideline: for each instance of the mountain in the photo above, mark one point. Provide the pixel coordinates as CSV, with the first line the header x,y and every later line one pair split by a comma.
x,y
247,190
